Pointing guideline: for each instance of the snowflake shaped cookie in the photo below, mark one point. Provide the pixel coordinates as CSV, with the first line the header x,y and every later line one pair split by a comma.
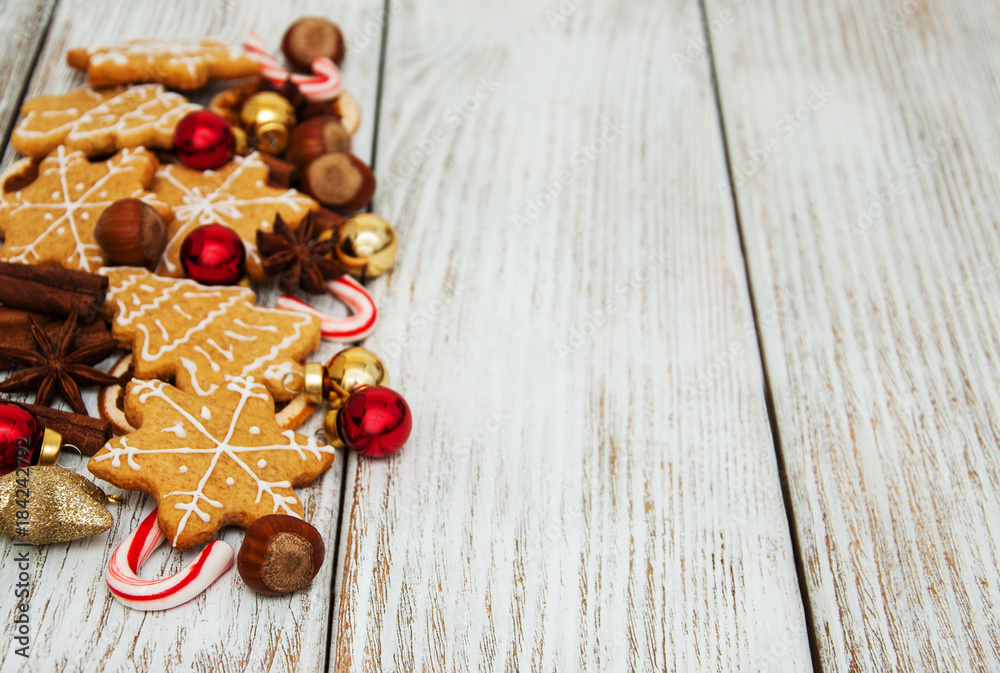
x,y
137,116
180,64
236,196
210,463
198,336
51,220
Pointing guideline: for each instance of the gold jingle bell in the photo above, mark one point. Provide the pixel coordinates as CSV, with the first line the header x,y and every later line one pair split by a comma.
x,y
346,371
366,245
330,428
268,119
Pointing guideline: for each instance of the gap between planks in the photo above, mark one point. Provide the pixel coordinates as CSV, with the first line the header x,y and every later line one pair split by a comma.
x,y
779,454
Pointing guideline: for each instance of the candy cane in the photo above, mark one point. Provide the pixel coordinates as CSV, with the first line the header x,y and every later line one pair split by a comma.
x,y
349,291
125,584
323,85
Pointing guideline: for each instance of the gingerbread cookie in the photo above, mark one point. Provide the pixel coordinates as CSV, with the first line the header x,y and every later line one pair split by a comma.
x,y
236,195
180,64
210,462
47,120
137,116
197,336
111,403
51,219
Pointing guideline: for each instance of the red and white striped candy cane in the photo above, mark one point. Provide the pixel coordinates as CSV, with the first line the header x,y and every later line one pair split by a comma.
x,y
123,567
349,291
322,85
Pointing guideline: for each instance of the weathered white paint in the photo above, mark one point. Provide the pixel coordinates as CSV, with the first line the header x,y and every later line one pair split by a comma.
x,y
23,23
76,625
614,506
871,229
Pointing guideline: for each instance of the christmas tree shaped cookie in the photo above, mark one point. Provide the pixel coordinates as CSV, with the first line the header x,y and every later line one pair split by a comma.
x,y
100,121
199,336
210,462
236,196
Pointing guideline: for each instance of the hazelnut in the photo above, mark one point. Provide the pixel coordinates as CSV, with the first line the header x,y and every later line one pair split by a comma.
x,y
280,553
311,38
343,107
315,137
131,232
339,180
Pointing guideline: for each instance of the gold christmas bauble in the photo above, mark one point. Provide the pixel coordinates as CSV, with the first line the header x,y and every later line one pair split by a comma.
x,y
267,118
366,245
349,369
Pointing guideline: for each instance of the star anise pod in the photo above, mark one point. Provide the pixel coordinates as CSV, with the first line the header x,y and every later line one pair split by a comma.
x,y
57,366
299,255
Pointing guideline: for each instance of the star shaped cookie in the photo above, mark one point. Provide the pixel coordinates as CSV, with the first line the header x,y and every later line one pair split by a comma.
x,y
180,64
236,196
100,121
52,219
210,463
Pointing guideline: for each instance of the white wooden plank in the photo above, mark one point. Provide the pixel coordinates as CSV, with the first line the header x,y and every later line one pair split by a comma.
x,y
22,27
76,625
872,213
591,482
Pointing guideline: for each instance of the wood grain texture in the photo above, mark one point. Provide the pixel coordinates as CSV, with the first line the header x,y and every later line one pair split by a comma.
x,y
591,482
24,24
872,211
75,623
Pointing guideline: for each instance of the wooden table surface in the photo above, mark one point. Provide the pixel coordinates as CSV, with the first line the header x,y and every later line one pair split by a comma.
x,y
697,311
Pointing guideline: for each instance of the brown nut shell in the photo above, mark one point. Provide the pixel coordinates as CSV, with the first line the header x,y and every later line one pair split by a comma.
x,y
316,137
340,181
131,232
310,38
343,107
280,554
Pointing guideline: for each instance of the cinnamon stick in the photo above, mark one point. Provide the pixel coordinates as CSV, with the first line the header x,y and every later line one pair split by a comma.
x,y
52,290
324,219
282,174
86,433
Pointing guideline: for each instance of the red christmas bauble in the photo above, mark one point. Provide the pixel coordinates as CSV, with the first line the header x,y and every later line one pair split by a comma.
x,y
374,421
204,140
214,255
20,437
